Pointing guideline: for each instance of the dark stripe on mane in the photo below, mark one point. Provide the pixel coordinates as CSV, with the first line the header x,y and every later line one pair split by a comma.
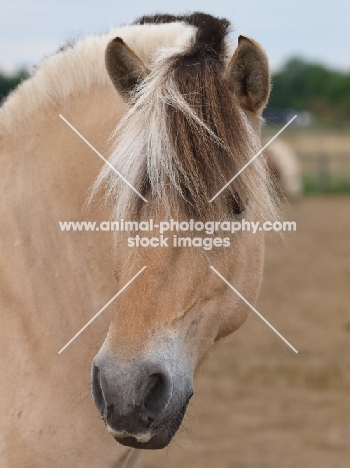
x,y
210,35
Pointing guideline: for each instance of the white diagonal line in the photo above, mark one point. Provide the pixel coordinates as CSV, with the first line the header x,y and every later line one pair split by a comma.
x,y
251,160
253,309
103,158
101,310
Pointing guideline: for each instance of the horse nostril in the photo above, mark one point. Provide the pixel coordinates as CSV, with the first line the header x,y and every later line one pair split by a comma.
x,y
156,396
130,400
96,391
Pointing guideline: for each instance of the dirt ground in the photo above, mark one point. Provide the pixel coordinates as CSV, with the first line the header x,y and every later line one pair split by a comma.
x,y
256,403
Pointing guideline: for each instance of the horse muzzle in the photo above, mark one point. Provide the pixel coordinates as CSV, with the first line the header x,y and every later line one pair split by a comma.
x,y
142,404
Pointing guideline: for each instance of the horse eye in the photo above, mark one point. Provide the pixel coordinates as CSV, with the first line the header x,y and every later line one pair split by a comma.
x,y
237,211
237,206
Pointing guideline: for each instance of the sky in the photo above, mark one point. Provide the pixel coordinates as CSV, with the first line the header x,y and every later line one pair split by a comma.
x,y
315,30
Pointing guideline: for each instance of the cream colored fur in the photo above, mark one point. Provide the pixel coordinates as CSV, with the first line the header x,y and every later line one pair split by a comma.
x,y
286,165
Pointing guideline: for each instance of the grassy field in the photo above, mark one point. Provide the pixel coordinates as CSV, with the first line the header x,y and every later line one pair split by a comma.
x,y
337,183
259,405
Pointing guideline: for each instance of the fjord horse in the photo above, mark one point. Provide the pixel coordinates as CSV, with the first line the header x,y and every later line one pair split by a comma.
x,y
177,107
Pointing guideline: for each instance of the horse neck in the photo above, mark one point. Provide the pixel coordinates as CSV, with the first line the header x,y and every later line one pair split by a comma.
x,y
46,176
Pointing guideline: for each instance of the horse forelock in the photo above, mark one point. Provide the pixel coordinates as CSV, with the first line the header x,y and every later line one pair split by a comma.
x,y
185,135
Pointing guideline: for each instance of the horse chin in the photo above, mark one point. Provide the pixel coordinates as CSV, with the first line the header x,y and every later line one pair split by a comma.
x,y
160,439
157,442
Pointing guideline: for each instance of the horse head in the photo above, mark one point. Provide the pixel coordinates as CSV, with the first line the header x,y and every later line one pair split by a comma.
x,y
193,121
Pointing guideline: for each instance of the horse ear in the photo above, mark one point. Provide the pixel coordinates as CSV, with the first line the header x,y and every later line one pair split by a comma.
x,y
248,74
124,67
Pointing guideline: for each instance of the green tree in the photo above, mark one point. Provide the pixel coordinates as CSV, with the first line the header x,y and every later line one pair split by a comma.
x,y
8,83
302,85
